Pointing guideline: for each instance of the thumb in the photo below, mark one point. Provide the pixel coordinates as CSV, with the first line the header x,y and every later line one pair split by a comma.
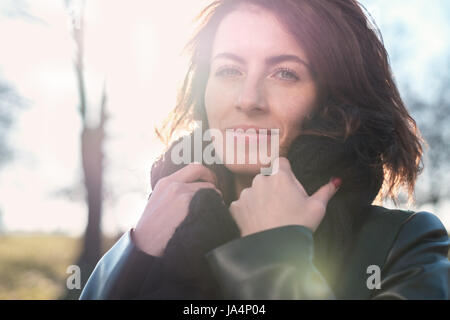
x,y
327,191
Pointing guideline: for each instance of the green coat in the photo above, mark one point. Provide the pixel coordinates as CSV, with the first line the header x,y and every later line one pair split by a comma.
x,y
409,249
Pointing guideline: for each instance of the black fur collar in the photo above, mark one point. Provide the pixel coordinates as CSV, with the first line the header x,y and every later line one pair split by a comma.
x,y
314,160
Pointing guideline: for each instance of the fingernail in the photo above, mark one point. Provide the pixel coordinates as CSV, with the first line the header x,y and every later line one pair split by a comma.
x,y
336,182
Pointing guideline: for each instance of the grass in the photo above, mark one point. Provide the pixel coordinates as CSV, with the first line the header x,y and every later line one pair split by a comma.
x,y
34,266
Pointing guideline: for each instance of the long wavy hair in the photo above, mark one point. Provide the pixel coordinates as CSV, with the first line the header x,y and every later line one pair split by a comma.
x,y
356,89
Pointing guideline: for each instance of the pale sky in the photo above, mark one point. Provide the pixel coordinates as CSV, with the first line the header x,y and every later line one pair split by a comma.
x,y
135,45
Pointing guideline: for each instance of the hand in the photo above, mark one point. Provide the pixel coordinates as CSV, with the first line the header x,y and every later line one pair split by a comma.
x,y
280,200
168,206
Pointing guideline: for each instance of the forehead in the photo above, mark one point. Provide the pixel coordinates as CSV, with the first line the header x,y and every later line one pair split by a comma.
x,y
254,32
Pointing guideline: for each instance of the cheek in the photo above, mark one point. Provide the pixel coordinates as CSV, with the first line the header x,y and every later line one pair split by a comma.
x,y
291,110
291,123
293,117
218,101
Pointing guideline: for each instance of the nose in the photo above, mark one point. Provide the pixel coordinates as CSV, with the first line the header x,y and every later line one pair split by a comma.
x,y
251,98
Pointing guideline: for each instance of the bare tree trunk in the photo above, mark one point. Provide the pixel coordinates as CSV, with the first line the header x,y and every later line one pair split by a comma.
x,y
92,138
92,155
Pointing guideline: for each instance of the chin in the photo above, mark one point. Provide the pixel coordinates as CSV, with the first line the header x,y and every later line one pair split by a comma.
x,y
247,162
245,169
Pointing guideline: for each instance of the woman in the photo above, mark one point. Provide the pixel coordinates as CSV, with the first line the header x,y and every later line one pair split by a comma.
x,y
317,72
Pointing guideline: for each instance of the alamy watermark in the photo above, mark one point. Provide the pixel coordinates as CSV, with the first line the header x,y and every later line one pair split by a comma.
x,y
238,146
374,280
74,280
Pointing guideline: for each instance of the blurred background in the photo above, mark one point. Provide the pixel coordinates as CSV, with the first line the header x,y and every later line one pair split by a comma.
x,y
82,85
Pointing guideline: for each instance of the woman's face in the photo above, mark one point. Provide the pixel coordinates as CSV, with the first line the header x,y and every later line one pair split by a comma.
x,y
259,77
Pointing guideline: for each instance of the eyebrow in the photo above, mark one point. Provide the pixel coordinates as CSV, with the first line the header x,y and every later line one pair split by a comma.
x,y
269,61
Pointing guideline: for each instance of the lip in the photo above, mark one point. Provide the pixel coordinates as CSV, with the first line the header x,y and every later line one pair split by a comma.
x,y
256,128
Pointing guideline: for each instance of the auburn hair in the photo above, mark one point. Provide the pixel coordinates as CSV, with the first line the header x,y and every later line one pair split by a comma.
x,y
356,88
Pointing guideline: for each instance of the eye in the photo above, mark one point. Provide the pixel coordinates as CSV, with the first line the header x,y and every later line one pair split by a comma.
x,y
287,74
228,72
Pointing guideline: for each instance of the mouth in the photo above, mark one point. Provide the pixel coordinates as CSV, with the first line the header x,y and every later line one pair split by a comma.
x,y
249,130
248,133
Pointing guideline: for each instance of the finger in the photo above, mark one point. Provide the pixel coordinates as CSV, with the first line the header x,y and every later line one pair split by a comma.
x,y
234,209
284,164
195,186
300,186
193,172
327,191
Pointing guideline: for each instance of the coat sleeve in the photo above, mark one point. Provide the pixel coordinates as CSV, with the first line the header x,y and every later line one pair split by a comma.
x,y
122,272
417,266
269,265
